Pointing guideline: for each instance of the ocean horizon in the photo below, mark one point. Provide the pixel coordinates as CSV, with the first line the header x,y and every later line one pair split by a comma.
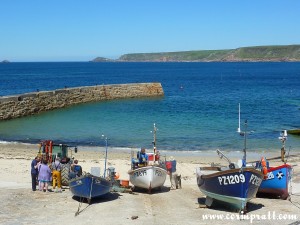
x,y
198,112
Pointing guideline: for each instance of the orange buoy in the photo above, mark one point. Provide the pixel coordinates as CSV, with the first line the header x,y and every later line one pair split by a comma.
x,y
264,169
117,175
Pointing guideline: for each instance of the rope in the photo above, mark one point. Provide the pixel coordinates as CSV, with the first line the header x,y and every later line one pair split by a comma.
x,y
79,206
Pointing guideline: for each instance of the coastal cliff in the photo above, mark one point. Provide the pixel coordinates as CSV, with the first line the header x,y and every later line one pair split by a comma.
x,y
278,53
33,103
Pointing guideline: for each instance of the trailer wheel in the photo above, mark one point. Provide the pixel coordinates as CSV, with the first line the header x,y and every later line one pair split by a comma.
x,y
65,170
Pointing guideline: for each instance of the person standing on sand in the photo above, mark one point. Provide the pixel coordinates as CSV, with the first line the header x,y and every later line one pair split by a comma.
x,y
34,172
56,174
44,175
173,174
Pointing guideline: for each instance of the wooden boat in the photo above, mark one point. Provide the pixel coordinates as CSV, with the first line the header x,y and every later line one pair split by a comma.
x,y
233,186
89,186
277,179
149,176
276,183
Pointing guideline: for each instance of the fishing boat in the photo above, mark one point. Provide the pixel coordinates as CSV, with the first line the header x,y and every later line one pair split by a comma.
x,y
277,182
235,184
278,178
90,186
149,175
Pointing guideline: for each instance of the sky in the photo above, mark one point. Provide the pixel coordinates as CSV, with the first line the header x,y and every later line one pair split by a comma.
x,y
80,30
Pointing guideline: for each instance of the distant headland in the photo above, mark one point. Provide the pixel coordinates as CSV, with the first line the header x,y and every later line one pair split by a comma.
x,y
277,53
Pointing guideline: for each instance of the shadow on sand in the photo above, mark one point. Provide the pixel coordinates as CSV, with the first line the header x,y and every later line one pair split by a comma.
x,y
222,206
154,191
102,199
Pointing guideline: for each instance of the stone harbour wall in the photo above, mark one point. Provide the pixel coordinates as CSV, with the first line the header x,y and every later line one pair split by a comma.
x,y
33,103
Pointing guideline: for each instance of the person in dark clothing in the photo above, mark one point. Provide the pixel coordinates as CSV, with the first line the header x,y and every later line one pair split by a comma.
x,y
76,170
34,172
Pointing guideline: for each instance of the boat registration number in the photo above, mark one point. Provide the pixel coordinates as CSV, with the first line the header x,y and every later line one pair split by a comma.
x,y
232,179
158,173
140,173
255,180
270,176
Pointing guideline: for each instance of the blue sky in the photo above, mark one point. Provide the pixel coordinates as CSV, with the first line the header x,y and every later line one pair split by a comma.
x,y
80,30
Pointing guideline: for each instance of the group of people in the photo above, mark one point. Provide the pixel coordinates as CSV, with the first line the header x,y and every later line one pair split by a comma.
x,y
43,173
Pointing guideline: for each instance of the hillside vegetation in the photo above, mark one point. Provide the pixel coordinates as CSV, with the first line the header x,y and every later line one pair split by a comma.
x,y
245,54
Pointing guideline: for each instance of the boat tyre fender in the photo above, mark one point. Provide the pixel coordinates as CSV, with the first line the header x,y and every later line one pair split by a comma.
x,y
231,166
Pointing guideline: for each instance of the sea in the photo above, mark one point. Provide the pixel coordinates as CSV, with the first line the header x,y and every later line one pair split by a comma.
x,y
199,110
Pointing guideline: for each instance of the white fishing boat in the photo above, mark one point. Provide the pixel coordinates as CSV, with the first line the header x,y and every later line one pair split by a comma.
x,y
148,175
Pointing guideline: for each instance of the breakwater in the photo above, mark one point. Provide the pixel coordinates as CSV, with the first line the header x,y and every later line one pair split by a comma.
x,y
33,103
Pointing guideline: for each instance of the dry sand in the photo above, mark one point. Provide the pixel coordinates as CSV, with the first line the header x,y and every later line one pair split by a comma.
x,y
20,205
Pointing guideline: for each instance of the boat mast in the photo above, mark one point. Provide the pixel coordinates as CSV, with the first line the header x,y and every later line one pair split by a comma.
x,y
154,135
105,138
154,141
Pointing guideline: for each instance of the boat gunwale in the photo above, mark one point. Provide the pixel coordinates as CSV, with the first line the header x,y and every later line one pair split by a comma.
x,y
224,172
130,172
270,169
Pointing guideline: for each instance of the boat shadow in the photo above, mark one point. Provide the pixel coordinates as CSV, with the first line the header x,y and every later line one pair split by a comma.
x,y
222,206
154,191
111,196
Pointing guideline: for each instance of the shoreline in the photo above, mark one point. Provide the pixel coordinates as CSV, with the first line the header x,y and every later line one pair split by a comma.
x,y
208,152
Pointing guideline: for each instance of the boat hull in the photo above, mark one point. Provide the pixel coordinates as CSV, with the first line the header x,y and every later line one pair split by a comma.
x,y
148,177
89,186
277,182
235,186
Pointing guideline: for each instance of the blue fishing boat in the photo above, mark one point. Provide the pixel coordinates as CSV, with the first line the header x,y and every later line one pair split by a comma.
x,y
276,183
277,178
89,186
233,186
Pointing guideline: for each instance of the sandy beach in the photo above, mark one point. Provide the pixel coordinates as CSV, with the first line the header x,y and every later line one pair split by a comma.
x,y
20,205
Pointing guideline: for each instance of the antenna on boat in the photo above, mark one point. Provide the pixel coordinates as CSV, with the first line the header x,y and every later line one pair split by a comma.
x,y
105,138
239,128
245,141
283,138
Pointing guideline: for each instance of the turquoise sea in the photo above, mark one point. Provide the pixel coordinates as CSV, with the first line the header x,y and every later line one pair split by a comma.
x,y
198,112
